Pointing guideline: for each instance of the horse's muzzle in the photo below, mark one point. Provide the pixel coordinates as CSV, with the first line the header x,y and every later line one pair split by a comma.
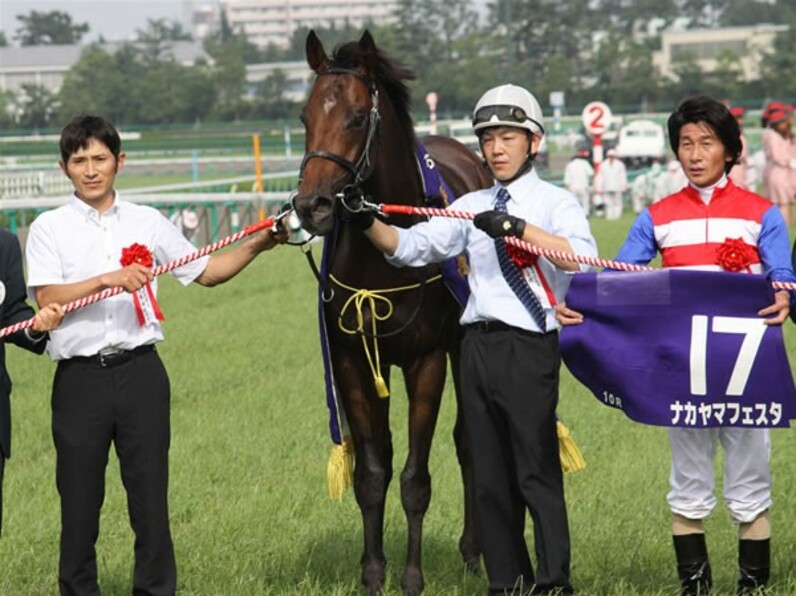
x,y
316,213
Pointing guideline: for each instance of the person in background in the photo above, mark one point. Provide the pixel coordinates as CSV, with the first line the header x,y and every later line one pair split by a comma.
x,y
510,358
707,141
579,177
792,152
738,173
779,160
110,386
14,308
611,182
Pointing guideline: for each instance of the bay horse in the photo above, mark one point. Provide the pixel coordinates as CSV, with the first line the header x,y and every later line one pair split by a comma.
x,y
359,134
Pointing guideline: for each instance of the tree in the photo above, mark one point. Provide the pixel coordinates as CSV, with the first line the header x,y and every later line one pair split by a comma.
x,y
49,28
7,103
532,34
196,94
270,99
638,16
3,40
250,53
95,85
702,13
156,41
624,71
229,74
778,68
750,12
427,31
689,79
727,78
38,105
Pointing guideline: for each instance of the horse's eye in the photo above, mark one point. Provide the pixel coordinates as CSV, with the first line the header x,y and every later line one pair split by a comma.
x,y
357,120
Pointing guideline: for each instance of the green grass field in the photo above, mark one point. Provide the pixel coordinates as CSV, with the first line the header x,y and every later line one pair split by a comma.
x,y
249,510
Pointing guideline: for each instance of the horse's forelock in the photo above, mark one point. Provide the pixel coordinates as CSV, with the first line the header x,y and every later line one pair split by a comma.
x,y
384,69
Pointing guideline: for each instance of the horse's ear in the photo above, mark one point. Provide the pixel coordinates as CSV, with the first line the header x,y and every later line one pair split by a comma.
x,y
316,55
366,42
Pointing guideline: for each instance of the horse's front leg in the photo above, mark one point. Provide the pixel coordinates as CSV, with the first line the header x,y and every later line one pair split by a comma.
x,y
368,419
425,380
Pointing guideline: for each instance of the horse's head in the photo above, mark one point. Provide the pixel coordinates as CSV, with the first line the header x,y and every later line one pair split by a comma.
x,y
341,120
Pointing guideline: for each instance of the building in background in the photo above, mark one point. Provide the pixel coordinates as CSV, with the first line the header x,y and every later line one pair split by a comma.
x,y
707,46
204,19
46,66
267,22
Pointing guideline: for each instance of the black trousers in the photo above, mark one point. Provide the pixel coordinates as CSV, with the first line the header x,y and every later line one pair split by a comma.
x,y
2,472
510,393
127,405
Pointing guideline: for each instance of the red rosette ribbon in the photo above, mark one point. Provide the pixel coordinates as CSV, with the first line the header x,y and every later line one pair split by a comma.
x,y
146,305
522,258
735,255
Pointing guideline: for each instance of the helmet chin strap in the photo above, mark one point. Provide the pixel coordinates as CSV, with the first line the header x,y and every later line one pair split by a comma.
x,y
522,170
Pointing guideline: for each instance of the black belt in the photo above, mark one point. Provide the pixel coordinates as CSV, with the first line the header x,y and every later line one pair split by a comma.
x,y
490,326
108,357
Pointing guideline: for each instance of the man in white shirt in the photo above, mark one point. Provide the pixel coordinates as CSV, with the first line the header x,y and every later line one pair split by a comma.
x,y
110,385
612,184
510,359
579,177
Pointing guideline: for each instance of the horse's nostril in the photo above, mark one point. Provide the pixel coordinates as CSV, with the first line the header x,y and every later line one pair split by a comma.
x,y
321,203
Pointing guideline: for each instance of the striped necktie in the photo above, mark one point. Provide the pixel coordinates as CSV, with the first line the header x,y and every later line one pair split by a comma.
x,y
512,273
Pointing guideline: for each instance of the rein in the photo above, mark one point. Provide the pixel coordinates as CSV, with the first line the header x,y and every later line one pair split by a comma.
x,y
363,167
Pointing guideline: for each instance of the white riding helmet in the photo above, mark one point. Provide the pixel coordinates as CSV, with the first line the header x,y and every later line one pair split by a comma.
x,y
508,105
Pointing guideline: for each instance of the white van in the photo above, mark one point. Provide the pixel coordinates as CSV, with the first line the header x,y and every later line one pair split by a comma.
x,y
641,141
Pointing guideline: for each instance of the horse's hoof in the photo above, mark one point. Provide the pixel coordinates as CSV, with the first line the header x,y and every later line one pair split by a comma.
x,y
473,566
412,582
373,578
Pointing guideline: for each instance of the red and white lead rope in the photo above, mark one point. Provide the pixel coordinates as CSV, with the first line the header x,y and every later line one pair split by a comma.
x,y
108,292
537,250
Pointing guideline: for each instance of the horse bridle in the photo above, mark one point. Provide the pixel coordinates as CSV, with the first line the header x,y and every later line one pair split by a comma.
x,y
363,166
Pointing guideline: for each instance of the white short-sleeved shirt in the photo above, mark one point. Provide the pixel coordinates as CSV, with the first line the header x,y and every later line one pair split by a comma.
x,y
75,242
540,203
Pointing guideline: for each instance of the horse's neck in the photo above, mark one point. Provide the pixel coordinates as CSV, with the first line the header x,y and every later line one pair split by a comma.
x,y
401,186
395,177
354,259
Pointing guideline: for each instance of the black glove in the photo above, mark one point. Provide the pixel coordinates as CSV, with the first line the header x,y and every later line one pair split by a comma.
x,y
353,209
498,224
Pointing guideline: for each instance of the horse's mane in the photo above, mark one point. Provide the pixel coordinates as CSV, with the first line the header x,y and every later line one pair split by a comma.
x,y
387,71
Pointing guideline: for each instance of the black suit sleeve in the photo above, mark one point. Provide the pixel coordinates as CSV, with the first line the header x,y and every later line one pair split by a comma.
x,y
15,307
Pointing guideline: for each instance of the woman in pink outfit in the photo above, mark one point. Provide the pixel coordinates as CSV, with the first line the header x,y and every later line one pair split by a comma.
x,y
778,175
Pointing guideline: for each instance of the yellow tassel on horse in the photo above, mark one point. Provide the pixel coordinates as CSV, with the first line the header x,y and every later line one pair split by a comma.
x,y
571,457
381,387
340,470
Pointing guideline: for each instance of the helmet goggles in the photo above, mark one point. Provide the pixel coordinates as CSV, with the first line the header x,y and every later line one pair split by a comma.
x,y
503,115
